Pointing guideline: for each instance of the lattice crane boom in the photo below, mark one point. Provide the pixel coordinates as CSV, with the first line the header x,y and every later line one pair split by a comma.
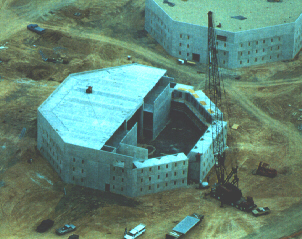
x,y
214,89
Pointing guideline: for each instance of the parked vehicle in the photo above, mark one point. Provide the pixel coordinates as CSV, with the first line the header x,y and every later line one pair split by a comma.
x,y
65,229
35,28
261,211
264,170
135,232
45,225
74,236
183,227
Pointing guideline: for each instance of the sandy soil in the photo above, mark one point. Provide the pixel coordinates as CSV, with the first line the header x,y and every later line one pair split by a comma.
x,y
263,100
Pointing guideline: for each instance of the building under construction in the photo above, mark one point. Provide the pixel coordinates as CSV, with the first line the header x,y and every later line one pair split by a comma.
x,y
245,35
88,130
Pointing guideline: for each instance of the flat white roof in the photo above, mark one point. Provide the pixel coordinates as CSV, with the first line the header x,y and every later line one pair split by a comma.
x,y
89,120
162,160
186,224
137,228
259,13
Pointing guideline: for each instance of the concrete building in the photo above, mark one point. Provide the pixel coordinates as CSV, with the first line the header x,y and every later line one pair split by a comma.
x,y
271,31
198,107
89,126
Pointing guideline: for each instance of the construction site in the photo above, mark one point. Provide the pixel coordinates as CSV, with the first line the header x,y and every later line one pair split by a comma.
x,y
243,37
57,88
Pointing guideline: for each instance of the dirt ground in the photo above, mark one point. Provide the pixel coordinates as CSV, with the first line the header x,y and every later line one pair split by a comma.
x,y
265,101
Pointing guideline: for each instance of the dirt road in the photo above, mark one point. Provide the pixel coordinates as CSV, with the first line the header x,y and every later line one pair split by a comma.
x,y
263,100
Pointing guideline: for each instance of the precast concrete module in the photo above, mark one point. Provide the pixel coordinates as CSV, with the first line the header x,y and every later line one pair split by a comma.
x,y
268,31
89,126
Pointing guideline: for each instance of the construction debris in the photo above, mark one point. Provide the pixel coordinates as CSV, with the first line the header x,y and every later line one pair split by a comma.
x,y
43,55
171,4
264,170
89,90
3,46
22,133
235,126
239,17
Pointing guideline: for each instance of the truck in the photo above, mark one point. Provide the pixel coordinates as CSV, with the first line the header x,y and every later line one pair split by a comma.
x,y
229,194
35,28
264,170
183,227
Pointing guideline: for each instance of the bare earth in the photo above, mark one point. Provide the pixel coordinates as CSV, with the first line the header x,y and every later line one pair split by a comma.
x,y
265,102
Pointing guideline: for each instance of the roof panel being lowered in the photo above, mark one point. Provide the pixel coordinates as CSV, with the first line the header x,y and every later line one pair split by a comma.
x,y
117,93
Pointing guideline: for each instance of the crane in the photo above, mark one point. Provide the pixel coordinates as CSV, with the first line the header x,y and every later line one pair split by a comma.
x,y
226,191
214,89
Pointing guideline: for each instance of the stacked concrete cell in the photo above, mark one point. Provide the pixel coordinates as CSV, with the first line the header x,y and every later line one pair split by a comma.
x,y
251,44
90,138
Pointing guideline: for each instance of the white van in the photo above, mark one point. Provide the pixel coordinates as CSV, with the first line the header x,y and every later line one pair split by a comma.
x,y
135,232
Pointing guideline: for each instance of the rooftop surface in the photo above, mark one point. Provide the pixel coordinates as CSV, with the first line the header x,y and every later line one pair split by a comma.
x,y
259,13
186,224
89,120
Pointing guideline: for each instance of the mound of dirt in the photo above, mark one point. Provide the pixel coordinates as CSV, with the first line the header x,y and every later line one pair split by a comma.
x,y
37,72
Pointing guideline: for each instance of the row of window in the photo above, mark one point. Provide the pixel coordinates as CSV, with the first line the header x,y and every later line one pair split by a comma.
x,y
180,36
113,187
159,20
257,51
53,163
158,167
188,54
73,169
257,42
188,45
150,187
158,176
154,34
74,160
82,179
256,59
115,169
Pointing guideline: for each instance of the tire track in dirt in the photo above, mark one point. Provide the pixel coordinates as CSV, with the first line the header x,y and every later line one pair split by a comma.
x,y
294,138
140,50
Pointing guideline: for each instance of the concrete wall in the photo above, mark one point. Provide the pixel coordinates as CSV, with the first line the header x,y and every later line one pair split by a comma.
x,y
158,24
199,101
188,39
241,49
162,106
297,36
123,181
204,146
89,167
50,144
131,137
133,151
258,46
161,177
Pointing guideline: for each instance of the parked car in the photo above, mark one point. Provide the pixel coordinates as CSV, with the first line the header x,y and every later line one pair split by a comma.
x,y
45,225
65,229
135,232
35,28
74,236
260,211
